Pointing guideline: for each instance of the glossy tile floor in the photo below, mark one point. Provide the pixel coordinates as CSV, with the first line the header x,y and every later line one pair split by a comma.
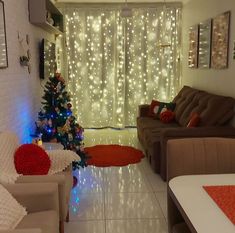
x,y
130,199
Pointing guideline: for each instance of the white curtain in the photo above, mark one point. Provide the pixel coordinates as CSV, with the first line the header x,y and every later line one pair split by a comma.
x,y
116,64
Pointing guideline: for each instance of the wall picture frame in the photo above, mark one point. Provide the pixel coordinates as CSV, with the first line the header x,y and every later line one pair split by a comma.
x,y
220,41
193,47
204,46
3,40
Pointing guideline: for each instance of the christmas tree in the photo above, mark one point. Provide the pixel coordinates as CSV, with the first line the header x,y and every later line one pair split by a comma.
x,y
56,122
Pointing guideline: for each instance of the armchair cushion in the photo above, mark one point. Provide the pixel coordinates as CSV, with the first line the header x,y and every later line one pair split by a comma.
x,y
11,212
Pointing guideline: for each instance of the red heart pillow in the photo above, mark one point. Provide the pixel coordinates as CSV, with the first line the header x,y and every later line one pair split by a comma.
x,y
167,116
31,159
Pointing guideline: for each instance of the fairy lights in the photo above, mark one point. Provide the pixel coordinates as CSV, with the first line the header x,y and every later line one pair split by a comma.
x,y
114,63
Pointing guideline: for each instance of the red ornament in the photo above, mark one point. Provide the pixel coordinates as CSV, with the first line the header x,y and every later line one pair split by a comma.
x,y
69,105
61,79
57,75
75,181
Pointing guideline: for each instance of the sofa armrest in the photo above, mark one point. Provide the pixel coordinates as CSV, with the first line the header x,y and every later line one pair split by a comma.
x,y
143,110
36,197
59,179
31,230
192,156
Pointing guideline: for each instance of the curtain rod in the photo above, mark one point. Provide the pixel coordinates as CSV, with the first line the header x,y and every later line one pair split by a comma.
x,y
109,5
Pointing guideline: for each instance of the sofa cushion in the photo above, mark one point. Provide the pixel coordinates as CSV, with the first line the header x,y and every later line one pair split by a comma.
x,y
47,221
163,106
167,116
153,108
194,120
182,100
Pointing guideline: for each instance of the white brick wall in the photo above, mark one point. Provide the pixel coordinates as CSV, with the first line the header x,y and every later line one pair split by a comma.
x,y
20,92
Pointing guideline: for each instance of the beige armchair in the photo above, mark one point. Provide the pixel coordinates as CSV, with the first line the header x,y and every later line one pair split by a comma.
x,y
41,202
194,156
64,181
9,142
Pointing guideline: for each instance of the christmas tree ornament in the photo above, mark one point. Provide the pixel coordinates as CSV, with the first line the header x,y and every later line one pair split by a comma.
x,y
58,87
69,105
50,123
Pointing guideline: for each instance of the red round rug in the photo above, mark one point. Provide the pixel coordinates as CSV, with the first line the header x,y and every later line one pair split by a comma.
x,y
113,155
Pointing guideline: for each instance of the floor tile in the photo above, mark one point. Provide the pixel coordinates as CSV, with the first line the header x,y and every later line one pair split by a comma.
x,y
134,169
85,227
126,182
90,180
145,166
86,206
156,182
136,226
131,205
162,200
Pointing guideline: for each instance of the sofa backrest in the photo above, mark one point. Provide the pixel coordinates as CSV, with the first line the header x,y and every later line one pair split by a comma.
x,y
214,110
191,156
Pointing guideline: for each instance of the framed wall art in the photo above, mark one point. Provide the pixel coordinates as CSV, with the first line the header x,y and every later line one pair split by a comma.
x,y
220,41
3,41
193,47
204,47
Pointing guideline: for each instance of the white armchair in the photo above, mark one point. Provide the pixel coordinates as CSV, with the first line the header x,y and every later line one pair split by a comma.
x,y
8,144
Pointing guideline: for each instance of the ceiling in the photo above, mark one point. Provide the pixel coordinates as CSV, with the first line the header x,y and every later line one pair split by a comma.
x,y
117,1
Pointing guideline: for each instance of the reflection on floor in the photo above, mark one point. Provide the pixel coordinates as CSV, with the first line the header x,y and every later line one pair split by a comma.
x,y
130,199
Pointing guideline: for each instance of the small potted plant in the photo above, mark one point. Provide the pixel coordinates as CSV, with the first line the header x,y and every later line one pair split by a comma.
x,y
24,60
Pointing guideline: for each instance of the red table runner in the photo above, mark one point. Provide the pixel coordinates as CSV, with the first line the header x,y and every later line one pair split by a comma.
x,y
224,197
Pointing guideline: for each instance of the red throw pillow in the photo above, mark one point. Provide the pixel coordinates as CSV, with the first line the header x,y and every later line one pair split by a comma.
x,y
31,159
167,116
153,109
194,120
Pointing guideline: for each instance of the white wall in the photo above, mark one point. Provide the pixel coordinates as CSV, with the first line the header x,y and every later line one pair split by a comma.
x,y
215,81
20,93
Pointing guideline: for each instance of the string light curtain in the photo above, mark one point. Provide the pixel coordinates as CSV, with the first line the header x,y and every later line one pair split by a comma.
x,y
116,64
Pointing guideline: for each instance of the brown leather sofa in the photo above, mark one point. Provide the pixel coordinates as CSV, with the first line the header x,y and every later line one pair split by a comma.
x,y
195,156
215,114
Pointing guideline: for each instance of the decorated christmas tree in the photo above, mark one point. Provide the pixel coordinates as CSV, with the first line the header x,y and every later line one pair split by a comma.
x,y
56,122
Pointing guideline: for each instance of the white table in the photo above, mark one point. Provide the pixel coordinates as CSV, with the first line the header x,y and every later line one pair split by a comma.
x,y
200,208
